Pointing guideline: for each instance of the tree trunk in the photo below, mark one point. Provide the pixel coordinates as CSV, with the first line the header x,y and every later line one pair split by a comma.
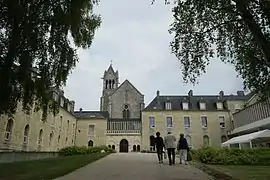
x,y
254,28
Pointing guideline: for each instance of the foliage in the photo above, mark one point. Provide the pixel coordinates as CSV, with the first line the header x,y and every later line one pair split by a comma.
x,y
233,156
75,150
36,50
236,31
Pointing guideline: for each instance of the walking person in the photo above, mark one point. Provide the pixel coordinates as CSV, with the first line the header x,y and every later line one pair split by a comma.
x,y
183,149
170,145
159,146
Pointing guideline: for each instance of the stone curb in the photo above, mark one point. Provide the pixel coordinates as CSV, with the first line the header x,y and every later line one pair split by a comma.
x,y
216,174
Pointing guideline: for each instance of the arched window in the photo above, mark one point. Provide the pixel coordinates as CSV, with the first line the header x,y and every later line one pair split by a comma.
x,y
206,140
188,138
8,131
90,143
110,146
126,112
25,134
51,138
134,148
113,146
223,139
40,137
138,148
113,84
110,84
106,84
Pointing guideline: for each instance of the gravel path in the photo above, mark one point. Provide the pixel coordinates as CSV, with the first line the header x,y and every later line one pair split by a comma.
x,y
135,166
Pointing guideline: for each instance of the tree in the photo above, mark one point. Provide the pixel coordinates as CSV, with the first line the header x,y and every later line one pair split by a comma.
x,y
236,31
36,50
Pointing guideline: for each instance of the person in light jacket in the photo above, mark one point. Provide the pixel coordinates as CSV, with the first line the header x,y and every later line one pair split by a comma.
x,y
183,149
170,145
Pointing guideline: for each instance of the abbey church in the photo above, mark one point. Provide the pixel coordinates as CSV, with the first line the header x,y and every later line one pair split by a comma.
x,y
123,122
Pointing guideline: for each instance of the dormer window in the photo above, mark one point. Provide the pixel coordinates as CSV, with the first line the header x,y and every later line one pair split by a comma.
x,y
68,107
62,101
202,106
185,105
168,105
55,96
220,106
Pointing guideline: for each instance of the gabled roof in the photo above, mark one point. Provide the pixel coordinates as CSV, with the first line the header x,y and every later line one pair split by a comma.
x,y
128,82
176,101
91,114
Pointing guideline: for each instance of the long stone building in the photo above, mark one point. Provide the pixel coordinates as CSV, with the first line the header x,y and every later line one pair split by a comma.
x,y
123,122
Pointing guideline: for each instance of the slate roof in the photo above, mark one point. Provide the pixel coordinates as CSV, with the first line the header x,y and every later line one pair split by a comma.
x,y
91,114
193,101
128,82
121,119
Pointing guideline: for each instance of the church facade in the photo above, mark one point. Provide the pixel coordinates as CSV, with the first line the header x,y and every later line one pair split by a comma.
x,y
123,122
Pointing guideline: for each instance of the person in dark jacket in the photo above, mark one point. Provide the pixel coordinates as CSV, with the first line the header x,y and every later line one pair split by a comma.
x,y
183,149
159,146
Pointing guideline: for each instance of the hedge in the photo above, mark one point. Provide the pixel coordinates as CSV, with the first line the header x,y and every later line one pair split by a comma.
x,y
76,150
222,156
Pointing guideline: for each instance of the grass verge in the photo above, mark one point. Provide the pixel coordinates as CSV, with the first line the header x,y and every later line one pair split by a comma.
x,y
235,172
245,172
46,169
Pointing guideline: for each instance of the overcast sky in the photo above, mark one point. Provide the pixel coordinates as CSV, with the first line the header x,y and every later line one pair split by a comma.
x,y
134,35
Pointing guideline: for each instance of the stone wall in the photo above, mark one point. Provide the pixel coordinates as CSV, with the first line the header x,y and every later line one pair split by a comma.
x,y
7,157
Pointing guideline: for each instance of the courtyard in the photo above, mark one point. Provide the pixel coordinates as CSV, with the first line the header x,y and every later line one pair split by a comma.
x,y
134,166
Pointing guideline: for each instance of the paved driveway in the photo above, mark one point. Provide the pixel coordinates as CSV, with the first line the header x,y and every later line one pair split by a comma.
x,y
135,166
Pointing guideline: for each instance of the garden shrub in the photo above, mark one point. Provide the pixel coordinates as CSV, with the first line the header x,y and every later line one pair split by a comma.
x,y
79,150
232,156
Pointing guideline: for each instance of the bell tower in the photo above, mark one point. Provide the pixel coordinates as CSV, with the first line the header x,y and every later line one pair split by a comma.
x,y
110,84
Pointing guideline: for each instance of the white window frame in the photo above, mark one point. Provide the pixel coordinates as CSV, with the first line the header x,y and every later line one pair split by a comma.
x,y
222,116
40,139
185,105
202,106
166,121
220,106
237,107
62,102
154,120
55,96
187,127
7,136
168,105
205,127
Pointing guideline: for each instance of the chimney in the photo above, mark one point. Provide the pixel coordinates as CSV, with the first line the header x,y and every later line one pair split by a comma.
x,y
221,94
80,109
190,93
158,93
240,93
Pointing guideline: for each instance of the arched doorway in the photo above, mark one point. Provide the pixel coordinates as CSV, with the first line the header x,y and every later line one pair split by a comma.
x,y
123,146
90,143
134,148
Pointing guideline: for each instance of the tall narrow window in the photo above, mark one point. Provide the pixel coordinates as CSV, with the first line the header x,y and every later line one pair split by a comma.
x,y
8,131
169,121
91,130
152,121
126,112
222,122
25,134
40,137
206,140
204,121
187,122
51,138
61,121
185,105
67,126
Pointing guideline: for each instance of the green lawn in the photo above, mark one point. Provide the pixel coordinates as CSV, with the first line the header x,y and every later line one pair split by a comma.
x,y
245,172
45,169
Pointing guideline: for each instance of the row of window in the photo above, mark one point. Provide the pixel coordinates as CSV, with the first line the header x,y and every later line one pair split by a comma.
x,y
185,105
187,123
9,129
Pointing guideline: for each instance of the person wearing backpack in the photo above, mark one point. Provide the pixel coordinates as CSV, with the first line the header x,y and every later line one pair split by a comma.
x,y
183,149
